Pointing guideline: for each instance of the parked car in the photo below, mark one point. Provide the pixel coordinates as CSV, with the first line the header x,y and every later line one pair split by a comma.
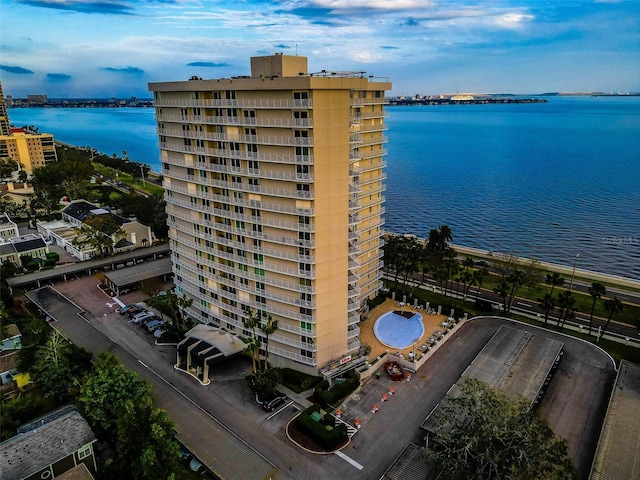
x,y
141,316
158,333
146,320
126,309
274,403
136,309
152,326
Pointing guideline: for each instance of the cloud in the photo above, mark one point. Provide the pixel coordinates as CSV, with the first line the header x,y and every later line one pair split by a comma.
x,y
282,45
15,69
208,64
81,6
126,70
58,77
389,47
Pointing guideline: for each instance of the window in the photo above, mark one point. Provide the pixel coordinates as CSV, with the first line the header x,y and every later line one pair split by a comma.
x,y
305,267
306,353
303,251
84,452
254,182
300,95
306,326
230,95
304,220
305,236
305,297
302,169
260,299
306,311
254,165
260,285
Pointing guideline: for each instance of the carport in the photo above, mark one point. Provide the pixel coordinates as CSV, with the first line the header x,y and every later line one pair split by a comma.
x,y
124,280
203,347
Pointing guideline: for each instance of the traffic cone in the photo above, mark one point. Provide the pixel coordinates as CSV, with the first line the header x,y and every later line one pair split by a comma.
x,y
357,422
338,413
374,408
392,390
385,397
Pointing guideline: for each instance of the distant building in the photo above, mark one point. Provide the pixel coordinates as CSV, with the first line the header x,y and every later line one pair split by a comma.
x,y
37,99
5,125
31,244
48,447
8,228
27,147
30,149
275,187
74,216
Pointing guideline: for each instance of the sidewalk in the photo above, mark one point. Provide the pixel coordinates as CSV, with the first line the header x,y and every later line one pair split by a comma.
x,y
299,398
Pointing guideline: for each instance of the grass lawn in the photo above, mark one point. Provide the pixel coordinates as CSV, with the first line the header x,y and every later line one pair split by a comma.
x,y
127,179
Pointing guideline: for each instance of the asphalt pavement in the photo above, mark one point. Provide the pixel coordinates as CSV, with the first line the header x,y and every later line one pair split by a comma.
x,y
574,404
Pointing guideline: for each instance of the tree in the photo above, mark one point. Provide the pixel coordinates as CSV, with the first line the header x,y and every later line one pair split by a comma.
x,y
566,304
515,274
52,369
547,303
251,323
613,306
106,389
485,435
145,441
555,280
596,290
7,167
479,276
267,328
99,232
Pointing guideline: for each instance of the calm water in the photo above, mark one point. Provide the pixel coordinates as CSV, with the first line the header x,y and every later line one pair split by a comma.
x,y
546,181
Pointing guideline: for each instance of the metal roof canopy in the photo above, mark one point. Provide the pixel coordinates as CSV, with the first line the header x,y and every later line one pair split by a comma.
x,y
618,453
514,361
139,272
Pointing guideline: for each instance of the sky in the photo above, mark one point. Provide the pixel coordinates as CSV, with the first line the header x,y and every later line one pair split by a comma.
x,y
105,48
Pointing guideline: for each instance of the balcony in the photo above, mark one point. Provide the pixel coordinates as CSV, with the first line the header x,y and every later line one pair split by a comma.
x,y
275,104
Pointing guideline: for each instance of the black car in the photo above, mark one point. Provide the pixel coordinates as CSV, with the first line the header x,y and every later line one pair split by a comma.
x,y
271,405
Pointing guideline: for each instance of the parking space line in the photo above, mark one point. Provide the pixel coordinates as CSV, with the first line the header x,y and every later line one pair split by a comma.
x,y
349,460
278,411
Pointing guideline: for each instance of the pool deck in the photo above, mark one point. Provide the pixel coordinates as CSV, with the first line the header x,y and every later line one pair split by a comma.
x,y
431,323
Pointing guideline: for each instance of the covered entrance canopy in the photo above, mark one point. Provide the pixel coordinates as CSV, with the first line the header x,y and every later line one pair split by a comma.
x,y
205,346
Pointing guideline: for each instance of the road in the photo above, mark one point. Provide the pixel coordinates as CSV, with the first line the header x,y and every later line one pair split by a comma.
x,y
527,306
574,405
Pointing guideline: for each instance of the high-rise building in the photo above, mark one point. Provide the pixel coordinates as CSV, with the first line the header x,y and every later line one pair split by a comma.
x,y
24,145
5,125
274,188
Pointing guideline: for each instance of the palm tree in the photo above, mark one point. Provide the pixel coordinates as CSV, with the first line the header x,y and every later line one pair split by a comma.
x,y
268,328
566,302
547,303
251,323
596,290
253,349
554,280
479,276
613,306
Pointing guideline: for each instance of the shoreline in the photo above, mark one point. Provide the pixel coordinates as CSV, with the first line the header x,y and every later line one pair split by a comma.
x,y
555,267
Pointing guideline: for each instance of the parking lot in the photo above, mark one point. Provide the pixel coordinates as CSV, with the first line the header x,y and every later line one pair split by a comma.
x,y
574,404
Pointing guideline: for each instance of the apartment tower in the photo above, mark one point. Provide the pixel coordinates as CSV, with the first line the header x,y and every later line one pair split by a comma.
x,y
274,188
28,147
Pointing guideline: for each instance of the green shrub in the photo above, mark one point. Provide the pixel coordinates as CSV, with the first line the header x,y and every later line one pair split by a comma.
x,y
298,381
50,262
378,300
318,432
32,266
326,396
53,256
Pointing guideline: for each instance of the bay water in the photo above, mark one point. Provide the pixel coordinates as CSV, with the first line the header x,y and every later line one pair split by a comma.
x,y
541,180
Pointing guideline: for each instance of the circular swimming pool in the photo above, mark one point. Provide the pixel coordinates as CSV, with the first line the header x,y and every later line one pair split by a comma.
x,y
399,329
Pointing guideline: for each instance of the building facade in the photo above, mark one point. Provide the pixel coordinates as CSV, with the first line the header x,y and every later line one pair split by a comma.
x,y
274,188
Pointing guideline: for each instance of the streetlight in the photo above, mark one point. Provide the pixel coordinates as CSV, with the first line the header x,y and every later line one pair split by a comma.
x,y
574,271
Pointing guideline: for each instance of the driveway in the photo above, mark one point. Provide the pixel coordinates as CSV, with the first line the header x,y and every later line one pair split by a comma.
x,y
574,404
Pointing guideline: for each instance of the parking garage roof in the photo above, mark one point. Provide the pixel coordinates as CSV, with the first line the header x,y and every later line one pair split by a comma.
x,y
618,452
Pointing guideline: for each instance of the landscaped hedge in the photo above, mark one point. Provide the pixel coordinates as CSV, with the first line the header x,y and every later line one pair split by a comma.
x,y
53,256
378,300
329,396
298,381
317,431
